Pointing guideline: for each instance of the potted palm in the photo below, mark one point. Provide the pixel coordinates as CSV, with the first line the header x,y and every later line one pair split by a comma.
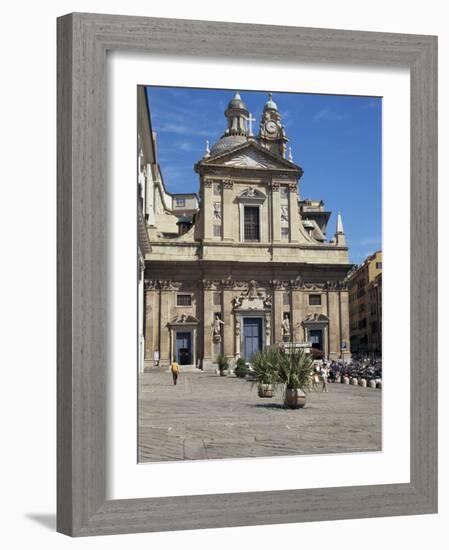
x,y
296,373
264,371
241,369
223,364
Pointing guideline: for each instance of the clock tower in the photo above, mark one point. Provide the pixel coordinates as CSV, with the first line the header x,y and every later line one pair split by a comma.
x,y
271,131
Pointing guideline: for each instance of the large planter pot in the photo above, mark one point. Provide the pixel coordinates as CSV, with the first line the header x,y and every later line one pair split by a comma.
x,y
345,380
362,382
294,398
265,390
354,381
372,384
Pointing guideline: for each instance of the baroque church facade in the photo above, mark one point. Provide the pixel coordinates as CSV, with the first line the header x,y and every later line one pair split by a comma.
x,y
246,263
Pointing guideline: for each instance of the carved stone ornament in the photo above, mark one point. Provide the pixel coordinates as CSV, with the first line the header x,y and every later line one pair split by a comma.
x,y
315,318
284,213
296,284
210,285
252,299
343,285
278,284
150,284
314,286
227,284
228,184
237,326
208,182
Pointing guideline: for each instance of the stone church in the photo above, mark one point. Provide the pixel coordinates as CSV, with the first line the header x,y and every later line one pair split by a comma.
x,y
245,263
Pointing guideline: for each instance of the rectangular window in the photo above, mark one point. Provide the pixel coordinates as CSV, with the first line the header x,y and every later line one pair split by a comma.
x,y
378,265
286,299
180,202
314,299
217,299
251,223
284,192
184,300
284,233
217,230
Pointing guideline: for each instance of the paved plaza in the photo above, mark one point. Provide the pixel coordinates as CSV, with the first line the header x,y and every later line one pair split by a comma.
x,y
207,416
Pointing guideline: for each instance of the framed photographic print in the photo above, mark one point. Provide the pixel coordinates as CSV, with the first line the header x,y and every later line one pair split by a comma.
x,y
246,274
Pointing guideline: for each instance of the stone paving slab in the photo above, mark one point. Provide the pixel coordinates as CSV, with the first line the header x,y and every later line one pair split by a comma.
x,y
207,417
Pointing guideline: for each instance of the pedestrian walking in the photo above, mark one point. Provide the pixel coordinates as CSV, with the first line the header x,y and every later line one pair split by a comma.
x,y
324,375
175,372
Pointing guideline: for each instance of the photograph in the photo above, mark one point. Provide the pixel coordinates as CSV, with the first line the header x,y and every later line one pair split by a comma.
x,y
259,273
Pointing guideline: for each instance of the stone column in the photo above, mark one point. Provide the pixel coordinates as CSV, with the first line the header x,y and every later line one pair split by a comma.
x,y
237,334
334,323
268,328
293,213
166,313
297,311
228,319
208,311
151,319
276,213
278,292
344,321
207,208
229,217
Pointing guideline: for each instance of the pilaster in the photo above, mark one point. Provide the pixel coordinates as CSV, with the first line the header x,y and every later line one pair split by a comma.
x,y
228,319
166,312
276,213
293,213
333,309
228,207
151,319
208,312
278,302
344,321
207,208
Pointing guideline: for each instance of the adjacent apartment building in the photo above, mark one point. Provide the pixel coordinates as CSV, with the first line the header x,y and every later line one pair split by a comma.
x,y
365,306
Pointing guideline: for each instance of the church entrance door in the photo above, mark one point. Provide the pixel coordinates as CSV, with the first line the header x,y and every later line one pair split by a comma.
x,y
252,336
184,348
316,339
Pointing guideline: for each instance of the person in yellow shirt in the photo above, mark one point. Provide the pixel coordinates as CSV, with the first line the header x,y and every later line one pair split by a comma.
x,y
175,371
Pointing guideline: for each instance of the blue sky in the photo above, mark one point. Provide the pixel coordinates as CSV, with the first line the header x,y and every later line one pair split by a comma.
x,y
335,139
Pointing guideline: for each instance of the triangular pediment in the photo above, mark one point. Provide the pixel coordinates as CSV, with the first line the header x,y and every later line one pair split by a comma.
x,y
251,155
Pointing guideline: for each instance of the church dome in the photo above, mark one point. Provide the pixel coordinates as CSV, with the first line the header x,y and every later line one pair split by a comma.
x,y
226,143
237,102
270,104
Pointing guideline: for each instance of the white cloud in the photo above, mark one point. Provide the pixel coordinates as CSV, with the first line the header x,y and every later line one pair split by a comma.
x,y
328,114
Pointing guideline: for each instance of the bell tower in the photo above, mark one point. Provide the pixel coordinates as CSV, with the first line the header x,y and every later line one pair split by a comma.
x,y
271,131
237,115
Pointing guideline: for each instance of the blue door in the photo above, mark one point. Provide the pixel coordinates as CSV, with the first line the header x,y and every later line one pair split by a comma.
x,y
316,339
252,336
184,348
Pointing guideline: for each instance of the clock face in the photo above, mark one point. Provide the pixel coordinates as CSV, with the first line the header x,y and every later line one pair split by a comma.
x,y
271,127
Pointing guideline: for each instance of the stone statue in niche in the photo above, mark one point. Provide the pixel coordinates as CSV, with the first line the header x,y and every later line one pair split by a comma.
x,y
286,326
252,289
216,328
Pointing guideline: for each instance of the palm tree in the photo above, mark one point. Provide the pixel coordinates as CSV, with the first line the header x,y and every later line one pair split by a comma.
x,y
295,371
264,370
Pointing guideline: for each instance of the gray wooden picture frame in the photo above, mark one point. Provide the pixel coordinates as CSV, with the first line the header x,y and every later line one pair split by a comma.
x,y
83,41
